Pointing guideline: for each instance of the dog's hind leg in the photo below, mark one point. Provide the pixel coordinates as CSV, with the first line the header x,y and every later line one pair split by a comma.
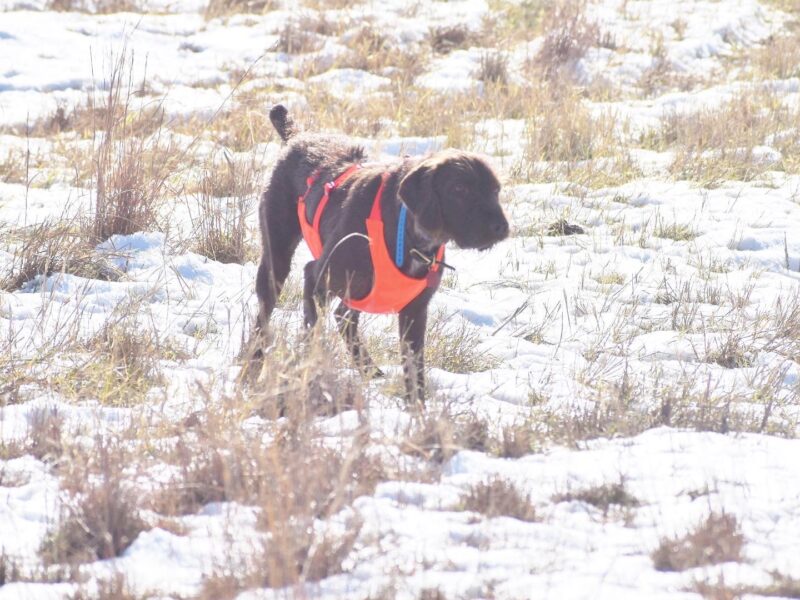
x,y
280,232
347,322
314,292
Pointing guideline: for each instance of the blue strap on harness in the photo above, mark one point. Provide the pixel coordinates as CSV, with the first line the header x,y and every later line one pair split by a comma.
x,y
401,236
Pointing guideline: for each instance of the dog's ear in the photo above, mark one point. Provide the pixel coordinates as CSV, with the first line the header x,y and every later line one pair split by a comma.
x,y
416,190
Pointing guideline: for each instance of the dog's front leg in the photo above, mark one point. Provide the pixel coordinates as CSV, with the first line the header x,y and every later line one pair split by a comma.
x,y
413,319
347,321
313,293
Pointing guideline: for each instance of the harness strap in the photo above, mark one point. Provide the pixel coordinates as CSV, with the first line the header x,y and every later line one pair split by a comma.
x,y
329,187
375,213
399,250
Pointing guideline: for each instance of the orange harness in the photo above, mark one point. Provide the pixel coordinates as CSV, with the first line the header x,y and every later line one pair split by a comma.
x,y
392,290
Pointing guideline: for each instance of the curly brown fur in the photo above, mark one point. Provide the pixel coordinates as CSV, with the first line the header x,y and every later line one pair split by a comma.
x,y
282,122
451,196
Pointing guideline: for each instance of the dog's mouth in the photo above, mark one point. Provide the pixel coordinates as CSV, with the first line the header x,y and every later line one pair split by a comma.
x,y
479,247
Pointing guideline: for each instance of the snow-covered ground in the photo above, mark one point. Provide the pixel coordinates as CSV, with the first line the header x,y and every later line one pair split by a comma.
x,y
658,349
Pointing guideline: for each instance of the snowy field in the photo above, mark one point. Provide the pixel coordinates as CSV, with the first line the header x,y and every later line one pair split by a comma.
x,y
614,402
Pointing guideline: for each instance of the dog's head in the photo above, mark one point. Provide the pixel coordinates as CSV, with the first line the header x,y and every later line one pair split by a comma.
x,y
454,196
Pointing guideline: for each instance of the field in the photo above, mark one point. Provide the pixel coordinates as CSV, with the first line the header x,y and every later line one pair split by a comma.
x,y
615,389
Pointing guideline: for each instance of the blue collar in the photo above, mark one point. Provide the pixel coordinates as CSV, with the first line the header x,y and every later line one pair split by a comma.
x,y
399,250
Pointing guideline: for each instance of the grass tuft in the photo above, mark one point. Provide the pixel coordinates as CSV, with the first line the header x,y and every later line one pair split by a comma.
x,y
716,540
100,518
498,497
602,496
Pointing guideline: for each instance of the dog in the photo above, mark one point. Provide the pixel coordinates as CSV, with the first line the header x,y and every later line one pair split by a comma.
x,y
322,188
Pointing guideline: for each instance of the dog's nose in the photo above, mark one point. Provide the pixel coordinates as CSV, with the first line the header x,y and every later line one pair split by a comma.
x,y
499,228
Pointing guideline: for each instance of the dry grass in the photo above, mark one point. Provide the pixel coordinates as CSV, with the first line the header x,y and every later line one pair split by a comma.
x,y
239,128
716,540
44,439
49,247
17,571
628,407
515,20
517,440
493,68
95,7
9,570
304,33
564,141
719,144
498,497
85,118
568,34
225,8
296,477
782,586
436,435
452,344
115,587
779,57
675,231
131,170
99,519
287,558
14,167
226,200
119,365
446,38
602,496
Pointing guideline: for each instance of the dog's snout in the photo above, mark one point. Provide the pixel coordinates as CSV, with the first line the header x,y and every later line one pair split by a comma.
x,y
497,224
499,227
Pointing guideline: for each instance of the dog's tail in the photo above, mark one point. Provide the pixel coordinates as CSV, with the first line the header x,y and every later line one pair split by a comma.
x,y
283,123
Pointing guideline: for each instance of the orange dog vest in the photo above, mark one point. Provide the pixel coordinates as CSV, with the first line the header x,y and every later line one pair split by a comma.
x,y
392,290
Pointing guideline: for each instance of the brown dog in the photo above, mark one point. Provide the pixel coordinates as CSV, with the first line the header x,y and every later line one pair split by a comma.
x,y
450,196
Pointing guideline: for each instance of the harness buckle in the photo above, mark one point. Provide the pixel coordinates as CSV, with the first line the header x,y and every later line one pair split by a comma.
x,y
431,260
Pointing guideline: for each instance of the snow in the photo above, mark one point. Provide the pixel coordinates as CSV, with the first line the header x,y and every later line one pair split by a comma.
x,y
564,319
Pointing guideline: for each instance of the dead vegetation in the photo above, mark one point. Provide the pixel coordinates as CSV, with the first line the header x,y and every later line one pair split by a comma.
x,y
95,7
602,496
226,199
225,8
131,174
716,540
99,518
50,247
727,142
118,365
782,586
498,497
446,38
452,344
439,433
568,34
